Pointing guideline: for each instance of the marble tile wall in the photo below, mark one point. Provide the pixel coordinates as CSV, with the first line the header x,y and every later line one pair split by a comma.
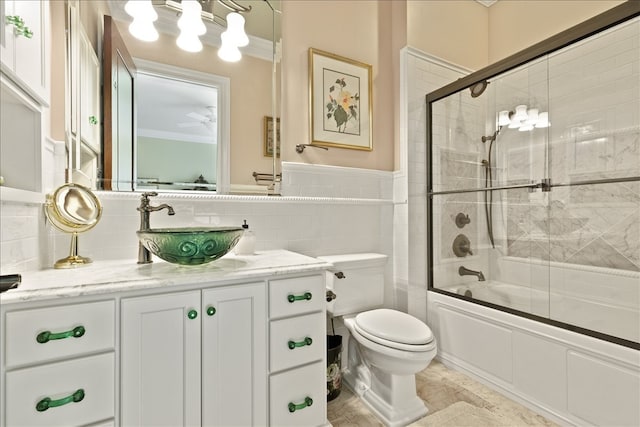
x,y
594,98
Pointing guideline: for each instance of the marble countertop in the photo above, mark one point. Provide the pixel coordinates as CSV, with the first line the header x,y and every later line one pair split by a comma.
x,y
103,277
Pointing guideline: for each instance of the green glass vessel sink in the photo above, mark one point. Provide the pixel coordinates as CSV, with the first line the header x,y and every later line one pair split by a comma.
x,y
191,245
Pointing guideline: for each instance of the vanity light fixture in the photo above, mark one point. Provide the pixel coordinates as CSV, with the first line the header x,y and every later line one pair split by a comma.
x,y
191,14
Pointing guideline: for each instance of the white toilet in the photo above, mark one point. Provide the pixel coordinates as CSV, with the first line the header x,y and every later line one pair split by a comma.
x,y
386,347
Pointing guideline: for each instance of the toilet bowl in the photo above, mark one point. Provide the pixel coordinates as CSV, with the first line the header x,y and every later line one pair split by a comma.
x,y
386,348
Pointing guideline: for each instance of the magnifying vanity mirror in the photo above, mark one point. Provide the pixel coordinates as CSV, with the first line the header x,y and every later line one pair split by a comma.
x,y
73,209
168,119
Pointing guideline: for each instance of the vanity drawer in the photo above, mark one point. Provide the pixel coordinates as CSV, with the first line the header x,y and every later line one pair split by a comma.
x,y
293,387
289,297
73,330
306,334
27,388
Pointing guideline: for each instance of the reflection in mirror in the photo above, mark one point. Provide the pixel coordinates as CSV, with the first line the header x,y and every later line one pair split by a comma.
x,y
120,166
182,129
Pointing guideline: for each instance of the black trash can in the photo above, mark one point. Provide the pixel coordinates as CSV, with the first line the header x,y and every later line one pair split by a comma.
x,y
334,366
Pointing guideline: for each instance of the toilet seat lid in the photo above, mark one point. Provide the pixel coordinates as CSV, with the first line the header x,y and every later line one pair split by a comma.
x,y
392,326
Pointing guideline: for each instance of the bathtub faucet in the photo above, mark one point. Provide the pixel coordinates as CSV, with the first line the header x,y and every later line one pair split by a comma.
x,y
463,271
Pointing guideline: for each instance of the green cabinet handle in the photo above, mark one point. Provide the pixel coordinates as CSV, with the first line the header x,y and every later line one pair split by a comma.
x,y
192,314
305,296
47,336
211,310
47,402
307,402
305,341
93,120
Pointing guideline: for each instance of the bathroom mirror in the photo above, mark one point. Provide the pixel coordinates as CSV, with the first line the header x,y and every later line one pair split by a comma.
x,y
249,87
73,208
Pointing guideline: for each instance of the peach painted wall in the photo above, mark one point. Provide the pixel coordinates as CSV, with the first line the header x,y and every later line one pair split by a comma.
x,y
453,30
360,30
515,25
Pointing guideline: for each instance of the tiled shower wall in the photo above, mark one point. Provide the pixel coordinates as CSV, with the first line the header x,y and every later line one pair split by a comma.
x,y
421,74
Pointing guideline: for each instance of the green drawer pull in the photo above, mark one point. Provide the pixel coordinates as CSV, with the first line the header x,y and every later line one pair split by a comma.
x,y
305,296
24,31
47,402
307,402
192,314
293,344
211,311
47,336
20,29
93,120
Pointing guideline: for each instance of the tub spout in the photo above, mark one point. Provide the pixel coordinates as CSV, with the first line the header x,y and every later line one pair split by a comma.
x,y
463,271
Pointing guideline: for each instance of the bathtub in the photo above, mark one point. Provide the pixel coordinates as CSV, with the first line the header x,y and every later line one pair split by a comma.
x,y
614,320
570,376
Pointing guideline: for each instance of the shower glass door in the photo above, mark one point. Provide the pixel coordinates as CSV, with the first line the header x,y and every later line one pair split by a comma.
x,y
534,186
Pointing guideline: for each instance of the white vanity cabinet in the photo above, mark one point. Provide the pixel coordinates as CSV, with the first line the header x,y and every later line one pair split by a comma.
x,y
242,343
58,365
195,358
23,45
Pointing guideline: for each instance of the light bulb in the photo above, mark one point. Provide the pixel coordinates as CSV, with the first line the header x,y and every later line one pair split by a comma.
x,y
235,29
189,42
228,51
532,116
143,30
543,120
521,113
142,9
191,18
503,118
514,123
525,127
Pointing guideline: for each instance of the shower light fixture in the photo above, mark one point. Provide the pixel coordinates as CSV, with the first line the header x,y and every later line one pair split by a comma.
x,y
523,119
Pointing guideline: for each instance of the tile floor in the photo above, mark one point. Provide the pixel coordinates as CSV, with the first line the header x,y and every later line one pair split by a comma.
x,y
453,399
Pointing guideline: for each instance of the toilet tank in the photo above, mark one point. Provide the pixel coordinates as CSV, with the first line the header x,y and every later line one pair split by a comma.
x,y
361,288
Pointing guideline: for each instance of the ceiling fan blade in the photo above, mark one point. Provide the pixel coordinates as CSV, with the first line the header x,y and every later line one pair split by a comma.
x,y
197,116
189,124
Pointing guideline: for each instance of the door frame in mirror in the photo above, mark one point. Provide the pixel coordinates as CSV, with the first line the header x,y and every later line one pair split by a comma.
x,y
223,86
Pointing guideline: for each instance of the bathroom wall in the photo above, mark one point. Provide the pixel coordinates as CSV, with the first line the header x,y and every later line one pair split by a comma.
x,y
514,25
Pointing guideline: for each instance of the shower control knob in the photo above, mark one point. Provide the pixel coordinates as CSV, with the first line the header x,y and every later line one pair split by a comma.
x,y
462,220
462,246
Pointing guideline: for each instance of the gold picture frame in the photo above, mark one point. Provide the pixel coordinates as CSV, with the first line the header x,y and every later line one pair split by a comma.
x,y
340,98
268,136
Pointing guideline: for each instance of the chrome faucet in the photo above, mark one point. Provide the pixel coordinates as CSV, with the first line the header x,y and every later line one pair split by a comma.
x,y
463,271
144,255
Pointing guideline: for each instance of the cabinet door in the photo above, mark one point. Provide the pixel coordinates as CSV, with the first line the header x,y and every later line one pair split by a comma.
x,y
7,47
160,360
31,55
234,354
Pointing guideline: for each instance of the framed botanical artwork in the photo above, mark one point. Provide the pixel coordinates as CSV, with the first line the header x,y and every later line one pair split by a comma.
x,y
340,95
268,136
